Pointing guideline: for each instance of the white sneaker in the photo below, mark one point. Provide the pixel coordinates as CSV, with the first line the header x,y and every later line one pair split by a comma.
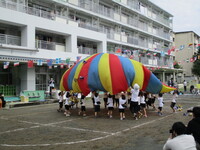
x,y
110,116
121,118
67,115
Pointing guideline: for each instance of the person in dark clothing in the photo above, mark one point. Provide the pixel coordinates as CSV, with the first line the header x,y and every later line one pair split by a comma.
x,y
3,101
193,126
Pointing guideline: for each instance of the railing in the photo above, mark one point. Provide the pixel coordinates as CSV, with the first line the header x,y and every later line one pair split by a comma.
x,y
27,9
10,39
132,40
88,26
45,45
86,50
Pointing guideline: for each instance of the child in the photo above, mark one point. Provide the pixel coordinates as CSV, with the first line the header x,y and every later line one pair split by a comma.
x,y
160,104
142,103
122,106
75,99
82,102
117,96
134,107
60,94
96,104
105,98
173,103
110,105
67,105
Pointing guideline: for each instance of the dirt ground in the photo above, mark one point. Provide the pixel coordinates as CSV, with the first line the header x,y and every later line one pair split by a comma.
x,y
42,127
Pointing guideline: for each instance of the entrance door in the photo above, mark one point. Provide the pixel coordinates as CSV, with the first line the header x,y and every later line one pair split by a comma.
x,y
41,82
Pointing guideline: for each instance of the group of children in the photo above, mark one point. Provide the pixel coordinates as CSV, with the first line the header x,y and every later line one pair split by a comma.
x,y
137,100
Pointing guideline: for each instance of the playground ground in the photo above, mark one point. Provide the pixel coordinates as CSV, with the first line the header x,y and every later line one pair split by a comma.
x,y
42,127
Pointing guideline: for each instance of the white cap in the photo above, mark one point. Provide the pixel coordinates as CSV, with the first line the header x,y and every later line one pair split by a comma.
x,y
136,86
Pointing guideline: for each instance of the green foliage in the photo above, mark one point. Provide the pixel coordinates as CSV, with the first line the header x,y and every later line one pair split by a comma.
x,y
196,67
196,64
177,66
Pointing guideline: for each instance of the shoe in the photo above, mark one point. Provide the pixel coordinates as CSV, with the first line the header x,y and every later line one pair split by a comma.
x,y
136,118
84,115
110,116
67,115
121,118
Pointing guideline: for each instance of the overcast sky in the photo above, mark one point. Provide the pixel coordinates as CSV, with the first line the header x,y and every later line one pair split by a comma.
x,y
186,14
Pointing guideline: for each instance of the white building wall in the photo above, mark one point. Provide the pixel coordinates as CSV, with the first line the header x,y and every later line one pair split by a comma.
x,y
28,23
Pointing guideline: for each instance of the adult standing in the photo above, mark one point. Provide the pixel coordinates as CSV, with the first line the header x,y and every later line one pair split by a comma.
x,y
178,140
193,126
3,100
185,85
134,107
51,85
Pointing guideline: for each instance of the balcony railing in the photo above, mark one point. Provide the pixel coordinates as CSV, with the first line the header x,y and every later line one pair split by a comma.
x,y
27,9
88,25
40,44
86,50
10,39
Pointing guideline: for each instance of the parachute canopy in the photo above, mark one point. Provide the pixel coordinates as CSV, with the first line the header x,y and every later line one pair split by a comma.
x,y
111,73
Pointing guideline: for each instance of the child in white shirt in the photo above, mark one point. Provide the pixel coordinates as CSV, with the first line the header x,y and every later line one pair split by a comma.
x,y
67,105
60,94
160,104
96,104
83,108
142,103
110,105
122,106
173,103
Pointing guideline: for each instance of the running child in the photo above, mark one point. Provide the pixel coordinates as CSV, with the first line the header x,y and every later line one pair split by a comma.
x,y
142,103
160,104
83,108
60,94
134,107
67,105
122,106
105,99
110,105
173,103
96,104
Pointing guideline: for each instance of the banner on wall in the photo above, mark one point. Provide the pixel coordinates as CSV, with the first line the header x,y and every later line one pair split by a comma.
x,y
6,65
30,64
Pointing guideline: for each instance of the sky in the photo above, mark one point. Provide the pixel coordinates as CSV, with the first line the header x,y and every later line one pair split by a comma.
x,y
186,14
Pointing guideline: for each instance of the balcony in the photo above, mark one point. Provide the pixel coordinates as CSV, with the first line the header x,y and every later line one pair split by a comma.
x,y
86,50
10,39
88,25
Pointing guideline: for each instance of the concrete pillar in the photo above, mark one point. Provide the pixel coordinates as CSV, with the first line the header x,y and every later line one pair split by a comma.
x,y
102,47
163,77
174,77
27,77
71,44
28,36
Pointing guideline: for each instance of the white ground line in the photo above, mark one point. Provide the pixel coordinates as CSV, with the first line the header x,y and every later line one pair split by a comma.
x,y
50,124
82,141
90,140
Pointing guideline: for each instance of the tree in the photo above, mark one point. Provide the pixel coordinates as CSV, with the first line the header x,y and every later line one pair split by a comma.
x,y
176,65
196,64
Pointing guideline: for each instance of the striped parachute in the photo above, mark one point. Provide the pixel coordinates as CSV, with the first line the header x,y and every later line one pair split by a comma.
x,y
111,73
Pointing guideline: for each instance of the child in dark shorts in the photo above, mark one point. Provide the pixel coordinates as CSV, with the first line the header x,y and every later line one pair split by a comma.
x,y
83,108
60,94
122,106
110,105
96,104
